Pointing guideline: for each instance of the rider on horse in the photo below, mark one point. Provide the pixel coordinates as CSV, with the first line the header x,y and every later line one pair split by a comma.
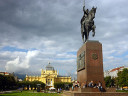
x,y
87,23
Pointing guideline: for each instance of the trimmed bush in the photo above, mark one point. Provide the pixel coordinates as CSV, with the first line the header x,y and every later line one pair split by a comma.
x,y
62,85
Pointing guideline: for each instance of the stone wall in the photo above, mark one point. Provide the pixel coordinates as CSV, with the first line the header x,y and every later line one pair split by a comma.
x,y
99,94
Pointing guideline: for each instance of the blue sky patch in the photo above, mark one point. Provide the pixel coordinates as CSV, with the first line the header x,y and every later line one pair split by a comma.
x,y
63,58
13,49
120,55
72,52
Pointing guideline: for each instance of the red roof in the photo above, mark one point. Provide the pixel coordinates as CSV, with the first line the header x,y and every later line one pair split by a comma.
x,y
116,69
6,73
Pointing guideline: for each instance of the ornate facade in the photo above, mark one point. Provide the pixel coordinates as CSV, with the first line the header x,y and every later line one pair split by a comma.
x,y
49,76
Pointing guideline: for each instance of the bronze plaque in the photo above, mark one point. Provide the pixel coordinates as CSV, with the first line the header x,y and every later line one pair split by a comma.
x,y
81,61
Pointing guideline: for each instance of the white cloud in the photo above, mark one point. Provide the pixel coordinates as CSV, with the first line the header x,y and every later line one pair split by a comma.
x,y
54,30
18,64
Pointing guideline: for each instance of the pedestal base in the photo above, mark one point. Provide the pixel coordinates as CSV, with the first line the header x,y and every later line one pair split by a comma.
x,y
98,94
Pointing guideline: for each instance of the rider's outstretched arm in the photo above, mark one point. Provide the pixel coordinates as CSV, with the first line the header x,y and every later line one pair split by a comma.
x,y
84,8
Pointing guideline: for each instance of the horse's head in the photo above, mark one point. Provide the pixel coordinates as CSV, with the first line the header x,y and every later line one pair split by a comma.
x,y
92,12
94,9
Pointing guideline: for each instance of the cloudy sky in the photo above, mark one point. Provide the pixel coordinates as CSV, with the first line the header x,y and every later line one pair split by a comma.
x,y
35,32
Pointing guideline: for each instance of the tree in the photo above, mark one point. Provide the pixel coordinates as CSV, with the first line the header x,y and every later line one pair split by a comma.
x,y
10,82
7,82
122,79
113,82
2,84
32,84
62,85
109,82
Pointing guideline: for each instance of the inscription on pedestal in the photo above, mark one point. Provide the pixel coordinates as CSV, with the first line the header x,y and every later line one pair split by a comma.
x,y
81,61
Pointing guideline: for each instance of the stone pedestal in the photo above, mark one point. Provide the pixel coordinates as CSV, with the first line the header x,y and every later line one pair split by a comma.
x,y
90,63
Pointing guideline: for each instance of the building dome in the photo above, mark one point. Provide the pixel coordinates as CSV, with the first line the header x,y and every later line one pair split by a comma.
x,y
49,67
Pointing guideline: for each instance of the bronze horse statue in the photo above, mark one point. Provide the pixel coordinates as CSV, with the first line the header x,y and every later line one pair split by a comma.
x,y
87,23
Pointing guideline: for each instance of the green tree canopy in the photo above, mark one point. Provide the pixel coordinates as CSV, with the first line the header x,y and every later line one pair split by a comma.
x,y
109,82
122,79
32,84
7,82
62,85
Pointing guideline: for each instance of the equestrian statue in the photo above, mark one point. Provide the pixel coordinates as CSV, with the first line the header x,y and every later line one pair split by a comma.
x,y
87,23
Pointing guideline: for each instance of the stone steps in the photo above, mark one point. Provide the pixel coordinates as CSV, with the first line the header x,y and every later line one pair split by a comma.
x,y
66,93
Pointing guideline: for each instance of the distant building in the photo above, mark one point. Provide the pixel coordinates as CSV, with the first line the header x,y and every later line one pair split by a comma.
x,y
9,74
113,72
4,73
49,77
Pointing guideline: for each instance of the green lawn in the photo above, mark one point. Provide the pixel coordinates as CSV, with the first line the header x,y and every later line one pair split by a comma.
x,y
121,90
29,93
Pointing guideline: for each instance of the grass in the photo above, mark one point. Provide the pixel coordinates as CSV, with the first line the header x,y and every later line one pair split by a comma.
x,y
29,93
121,90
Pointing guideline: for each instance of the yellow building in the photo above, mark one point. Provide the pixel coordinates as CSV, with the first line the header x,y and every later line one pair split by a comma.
x,y
49,76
